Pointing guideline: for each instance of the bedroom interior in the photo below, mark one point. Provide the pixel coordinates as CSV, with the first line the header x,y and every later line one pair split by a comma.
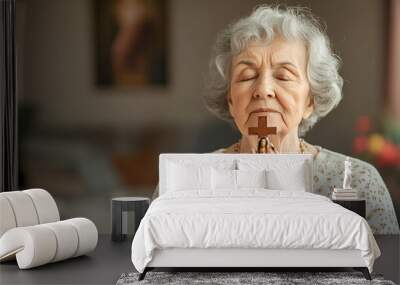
x,y
114,170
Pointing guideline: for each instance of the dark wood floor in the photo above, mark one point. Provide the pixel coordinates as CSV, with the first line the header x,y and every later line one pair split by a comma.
x,y
110,260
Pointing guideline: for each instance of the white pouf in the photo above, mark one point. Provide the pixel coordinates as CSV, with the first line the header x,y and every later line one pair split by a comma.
x,y
7,219
23,208
45,205
41,244
31,230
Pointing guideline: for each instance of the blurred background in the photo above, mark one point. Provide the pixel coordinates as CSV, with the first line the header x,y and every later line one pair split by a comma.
x,y
106,86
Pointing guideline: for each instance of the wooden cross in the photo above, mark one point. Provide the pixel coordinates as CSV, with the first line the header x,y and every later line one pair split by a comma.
x,y
262,130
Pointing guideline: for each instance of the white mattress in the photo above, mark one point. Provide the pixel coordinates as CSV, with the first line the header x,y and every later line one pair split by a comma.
x,y
252,218
256,257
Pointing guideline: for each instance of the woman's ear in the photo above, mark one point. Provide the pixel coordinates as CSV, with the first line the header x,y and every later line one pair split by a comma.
x,y
309,107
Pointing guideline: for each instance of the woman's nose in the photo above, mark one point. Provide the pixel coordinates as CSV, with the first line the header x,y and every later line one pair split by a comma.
x,y
265,89
264,94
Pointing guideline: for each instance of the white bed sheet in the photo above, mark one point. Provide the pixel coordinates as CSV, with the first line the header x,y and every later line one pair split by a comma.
x,y
251,218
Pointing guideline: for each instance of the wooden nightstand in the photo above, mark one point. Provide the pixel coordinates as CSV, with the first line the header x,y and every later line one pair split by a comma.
x,y
356,205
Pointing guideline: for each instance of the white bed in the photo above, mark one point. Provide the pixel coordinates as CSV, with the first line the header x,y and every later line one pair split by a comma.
x,y
202,220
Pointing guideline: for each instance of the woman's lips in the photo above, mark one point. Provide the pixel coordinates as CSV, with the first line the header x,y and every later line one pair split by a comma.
x,y
272,116
263,110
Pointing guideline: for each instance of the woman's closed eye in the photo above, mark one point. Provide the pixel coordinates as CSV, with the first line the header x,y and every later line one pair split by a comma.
x,y
284,76
248,78
247,75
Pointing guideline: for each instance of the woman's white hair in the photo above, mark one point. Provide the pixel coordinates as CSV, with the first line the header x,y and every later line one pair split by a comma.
x,y
264,23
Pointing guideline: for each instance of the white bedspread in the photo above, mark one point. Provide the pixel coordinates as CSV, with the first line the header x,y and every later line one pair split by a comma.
x,y
252,218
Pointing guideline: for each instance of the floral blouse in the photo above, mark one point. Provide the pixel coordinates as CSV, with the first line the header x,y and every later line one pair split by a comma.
x,y
328,172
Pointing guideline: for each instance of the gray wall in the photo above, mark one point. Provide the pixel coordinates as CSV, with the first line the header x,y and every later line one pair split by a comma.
x,y
58,65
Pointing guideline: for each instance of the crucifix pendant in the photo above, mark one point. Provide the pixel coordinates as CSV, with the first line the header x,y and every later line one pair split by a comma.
x,y
262,131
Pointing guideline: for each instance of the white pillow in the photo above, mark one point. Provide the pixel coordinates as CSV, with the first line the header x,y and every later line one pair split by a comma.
x,y
294,180
188,177
251,178
224,179
284,172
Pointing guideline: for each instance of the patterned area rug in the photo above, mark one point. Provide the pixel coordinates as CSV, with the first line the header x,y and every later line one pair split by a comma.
x,y
229,278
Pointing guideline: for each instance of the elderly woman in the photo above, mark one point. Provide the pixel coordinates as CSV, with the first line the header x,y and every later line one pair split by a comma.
x,y
278,63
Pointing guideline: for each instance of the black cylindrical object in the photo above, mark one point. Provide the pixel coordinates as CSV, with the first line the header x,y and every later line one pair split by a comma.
x,y
126,214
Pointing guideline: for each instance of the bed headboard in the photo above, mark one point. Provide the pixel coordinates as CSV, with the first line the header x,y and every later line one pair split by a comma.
x,y
231,161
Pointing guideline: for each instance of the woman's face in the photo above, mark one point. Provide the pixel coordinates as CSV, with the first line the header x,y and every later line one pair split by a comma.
x,y
270,80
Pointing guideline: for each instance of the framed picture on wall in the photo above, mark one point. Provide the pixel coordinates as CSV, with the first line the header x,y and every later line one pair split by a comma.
x,y
131,43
